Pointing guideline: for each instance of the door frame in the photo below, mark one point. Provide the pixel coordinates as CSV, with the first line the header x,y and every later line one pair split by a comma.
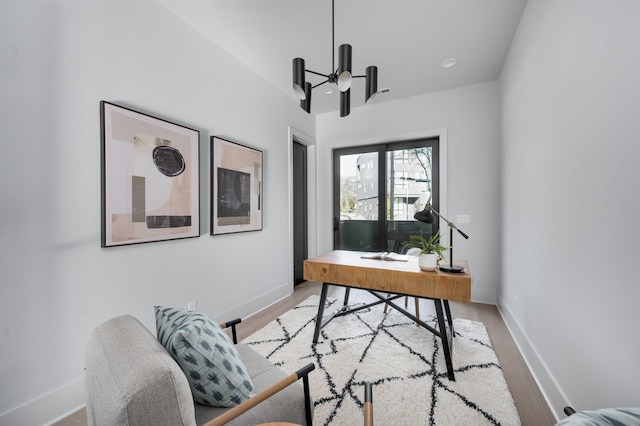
x,y
325,243
312,224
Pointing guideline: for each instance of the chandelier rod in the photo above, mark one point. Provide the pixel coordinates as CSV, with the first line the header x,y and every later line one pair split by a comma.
x,y
333,36
320,84
317,73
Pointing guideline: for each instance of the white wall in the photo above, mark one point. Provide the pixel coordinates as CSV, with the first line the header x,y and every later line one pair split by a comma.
x,y
57,61
566,174
470,119
571,188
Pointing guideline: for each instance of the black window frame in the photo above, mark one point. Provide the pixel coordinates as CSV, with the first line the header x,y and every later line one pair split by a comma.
x,y
382,149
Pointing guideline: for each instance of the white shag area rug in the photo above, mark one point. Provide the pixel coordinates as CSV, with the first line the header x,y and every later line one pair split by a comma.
x,y
404,363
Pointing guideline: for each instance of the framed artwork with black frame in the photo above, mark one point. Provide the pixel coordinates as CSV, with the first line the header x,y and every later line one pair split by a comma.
x,y
236,187
150,178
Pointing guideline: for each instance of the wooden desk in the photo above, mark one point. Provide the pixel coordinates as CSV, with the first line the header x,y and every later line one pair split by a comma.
x,y
348,269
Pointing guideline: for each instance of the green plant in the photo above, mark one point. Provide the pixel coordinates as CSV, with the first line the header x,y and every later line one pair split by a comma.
x,y
432,245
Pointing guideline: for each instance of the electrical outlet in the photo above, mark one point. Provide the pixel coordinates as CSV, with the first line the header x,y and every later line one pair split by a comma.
x,y
192,306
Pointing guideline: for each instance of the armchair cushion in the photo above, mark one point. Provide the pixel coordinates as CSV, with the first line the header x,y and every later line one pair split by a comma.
x,y
285,406
207,356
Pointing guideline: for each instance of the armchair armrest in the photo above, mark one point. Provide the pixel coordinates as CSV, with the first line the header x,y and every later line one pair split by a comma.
x,y
236,411
232,324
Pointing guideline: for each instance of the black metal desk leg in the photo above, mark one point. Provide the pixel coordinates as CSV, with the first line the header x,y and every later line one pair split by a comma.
x,y
346,296
449,317
323,300
446,340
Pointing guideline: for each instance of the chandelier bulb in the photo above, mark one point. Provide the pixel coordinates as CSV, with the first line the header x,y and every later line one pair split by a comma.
x,y
298,78
344,81
344,67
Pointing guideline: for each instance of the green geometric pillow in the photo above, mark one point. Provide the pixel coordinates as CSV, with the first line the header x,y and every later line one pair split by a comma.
x,y
206,355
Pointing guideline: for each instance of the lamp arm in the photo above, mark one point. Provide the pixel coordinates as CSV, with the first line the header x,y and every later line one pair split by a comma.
x,y
450,224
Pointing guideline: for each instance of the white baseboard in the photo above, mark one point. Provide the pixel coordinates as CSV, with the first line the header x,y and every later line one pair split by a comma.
x,y
483,295
55,405
256,304
553,394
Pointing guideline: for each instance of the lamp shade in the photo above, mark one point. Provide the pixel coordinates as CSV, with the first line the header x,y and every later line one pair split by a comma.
x,y
345,103
344,67
425,215
298,77
305,103
371,89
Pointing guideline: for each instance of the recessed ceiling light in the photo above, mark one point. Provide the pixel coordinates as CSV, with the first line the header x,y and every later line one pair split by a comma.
x,y
448,63
328,91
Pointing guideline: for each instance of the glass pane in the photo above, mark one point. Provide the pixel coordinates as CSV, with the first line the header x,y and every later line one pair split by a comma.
x,y
358,222
409,173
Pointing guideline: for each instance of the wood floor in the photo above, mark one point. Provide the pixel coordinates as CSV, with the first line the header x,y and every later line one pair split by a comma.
x,y
530,403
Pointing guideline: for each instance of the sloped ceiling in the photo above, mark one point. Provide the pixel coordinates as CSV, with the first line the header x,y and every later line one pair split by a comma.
x,y
406,39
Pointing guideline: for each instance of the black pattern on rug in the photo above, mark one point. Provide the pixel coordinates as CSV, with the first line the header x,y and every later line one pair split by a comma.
x,y
404,363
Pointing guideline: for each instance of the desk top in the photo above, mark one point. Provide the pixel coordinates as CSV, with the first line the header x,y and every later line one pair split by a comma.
x,y
348,268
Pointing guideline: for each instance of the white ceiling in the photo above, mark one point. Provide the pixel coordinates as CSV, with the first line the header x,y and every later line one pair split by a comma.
x,y
406,39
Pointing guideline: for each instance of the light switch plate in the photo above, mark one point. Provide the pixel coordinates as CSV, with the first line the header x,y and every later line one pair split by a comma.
x,y
463,218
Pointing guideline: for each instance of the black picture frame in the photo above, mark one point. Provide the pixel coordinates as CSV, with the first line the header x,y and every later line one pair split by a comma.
x,y
236,187
149,178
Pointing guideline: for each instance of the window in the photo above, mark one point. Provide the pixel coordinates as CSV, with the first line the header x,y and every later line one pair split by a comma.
x,y
378,189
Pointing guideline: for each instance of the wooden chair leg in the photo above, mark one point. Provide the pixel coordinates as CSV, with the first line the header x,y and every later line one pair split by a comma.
x,y
368,405
385,305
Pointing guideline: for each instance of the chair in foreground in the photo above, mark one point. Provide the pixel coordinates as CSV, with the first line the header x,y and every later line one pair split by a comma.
x,y
131,379
368,405
272,390
601,417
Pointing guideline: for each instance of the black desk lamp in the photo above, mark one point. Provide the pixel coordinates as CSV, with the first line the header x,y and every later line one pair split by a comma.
x,y
427,216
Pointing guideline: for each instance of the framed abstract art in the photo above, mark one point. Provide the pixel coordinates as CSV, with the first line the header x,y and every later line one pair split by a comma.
x,y
150,178
236,187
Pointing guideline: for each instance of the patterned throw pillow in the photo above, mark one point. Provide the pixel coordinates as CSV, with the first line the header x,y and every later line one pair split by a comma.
x,y
207,356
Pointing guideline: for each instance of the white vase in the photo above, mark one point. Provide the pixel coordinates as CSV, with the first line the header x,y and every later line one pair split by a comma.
x,y
428,261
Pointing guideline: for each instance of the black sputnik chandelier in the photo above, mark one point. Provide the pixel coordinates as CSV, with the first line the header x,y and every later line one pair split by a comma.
x,y
341,76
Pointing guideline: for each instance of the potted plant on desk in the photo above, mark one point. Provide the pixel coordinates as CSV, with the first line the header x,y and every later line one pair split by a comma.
x,y
430,250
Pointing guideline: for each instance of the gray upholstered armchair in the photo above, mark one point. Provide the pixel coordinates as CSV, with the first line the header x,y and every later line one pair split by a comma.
x,y
131,379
